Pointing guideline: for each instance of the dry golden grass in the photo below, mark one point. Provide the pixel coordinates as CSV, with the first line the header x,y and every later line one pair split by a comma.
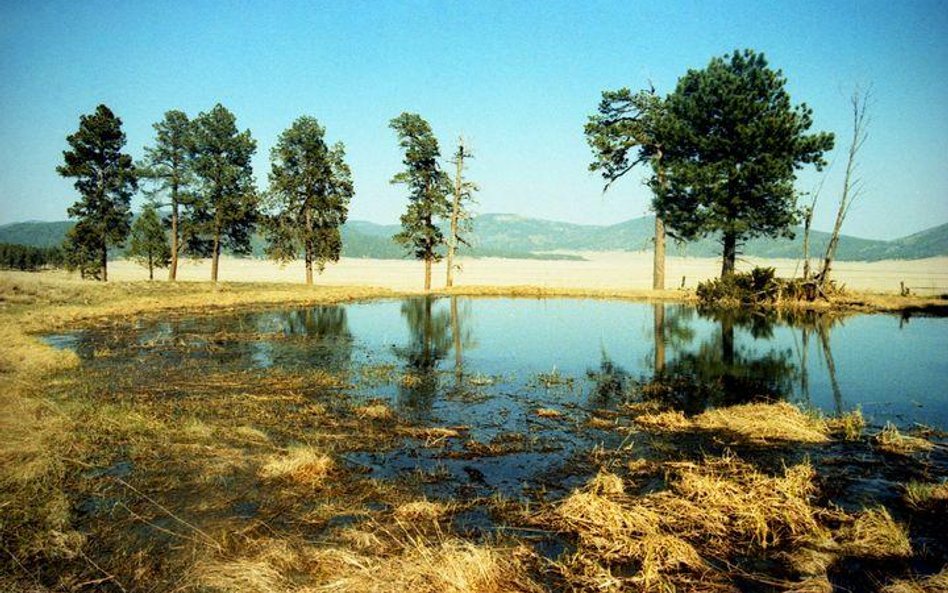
x,y
423,510
606,484
891,440
422,566
548,413
377,411
875,534
238,576
717,508
850,424
777,421
921,495
671,420
936,583
755,422
301,463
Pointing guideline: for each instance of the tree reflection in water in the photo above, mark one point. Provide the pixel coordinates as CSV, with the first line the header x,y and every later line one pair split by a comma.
x,y
429,341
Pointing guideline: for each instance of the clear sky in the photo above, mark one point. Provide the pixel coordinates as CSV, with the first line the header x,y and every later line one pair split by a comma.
x,y
518,79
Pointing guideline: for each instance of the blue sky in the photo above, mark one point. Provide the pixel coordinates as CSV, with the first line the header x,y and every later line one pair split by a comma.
x,y
518,79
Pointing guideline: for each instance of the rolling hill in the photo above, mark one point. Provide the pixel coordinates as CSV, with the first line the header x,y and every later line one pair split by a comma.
x,y
512,236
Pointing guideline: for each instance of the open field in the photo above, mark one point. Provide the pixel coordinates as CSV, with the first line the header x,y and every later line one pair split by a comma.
x,y
609,270
199,477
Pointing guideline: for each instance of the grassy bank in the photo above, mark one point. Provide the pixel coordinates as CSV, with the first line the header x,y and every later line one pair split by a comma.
x,y
141,481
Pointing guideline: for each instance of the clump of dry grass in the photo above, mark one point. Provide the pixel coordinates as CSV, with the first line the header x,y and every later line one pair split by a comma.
x,y
850,424
777,421
891,440
921,495
423,510
300,463
606,484
936,583
251,434
547,413
600,423
411,380
239,576
720,507
671,420
758,421
875,534
448,566
375,411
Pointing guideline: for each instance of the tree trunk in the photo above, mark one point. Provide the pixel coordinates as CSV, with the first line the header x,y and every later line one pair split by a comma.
x,y
173,267
215,256
427,274
455,212
151,268
807,220
849,191
658,262
105,263
730,253
308,247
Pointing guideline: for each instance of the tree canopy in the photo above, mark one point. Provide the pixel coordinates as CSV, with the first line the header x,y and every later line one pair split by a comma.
x,y
428,188
733,143
106,180
310,189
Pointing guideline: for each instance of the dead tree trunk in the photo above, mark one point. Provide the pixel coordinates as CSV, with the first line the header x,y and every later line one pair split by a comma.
x,y
851,185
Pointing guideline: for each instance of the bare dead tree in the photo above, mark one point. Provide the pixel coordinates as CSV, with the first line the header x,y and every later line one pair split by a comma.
x,y
460,216
852,183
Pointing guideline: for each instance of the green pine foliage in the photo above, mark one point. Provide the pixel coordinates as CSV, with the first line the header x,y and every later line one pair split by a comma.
x,y
428,190
625,132
28,258
149,244
168,168
224,211
310,189
106,179
734,143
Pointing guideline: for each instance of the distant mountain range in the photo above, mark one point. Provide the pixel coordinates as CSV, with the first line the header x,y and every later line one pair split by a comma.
x,y
512,236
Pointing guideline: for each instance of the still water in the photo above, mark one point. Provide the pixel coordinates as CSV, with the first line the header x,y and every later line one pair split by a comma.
x,y
573,352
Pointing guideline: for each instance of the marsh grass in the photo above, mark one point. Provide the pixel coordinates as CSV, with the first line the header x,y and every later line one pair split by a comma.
x,y
719,508
229,480
756,422
875,534
889,439
926,496
936,583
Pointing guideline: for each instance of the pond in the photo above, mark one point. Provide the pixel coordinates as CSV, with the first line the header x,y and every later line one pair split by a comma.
x,y
521,378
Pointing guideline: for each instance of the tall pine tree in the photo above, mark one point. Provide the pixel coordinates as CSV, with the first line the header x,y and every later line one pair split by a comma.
x,y
428,188
310,189
733,145
149,245
625,133
225,209
167,165
106,180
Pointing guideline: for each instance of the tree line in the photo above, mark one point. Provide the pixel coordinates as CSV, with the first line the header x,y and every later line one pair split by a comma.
x,y
28,258
723,151
199,170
